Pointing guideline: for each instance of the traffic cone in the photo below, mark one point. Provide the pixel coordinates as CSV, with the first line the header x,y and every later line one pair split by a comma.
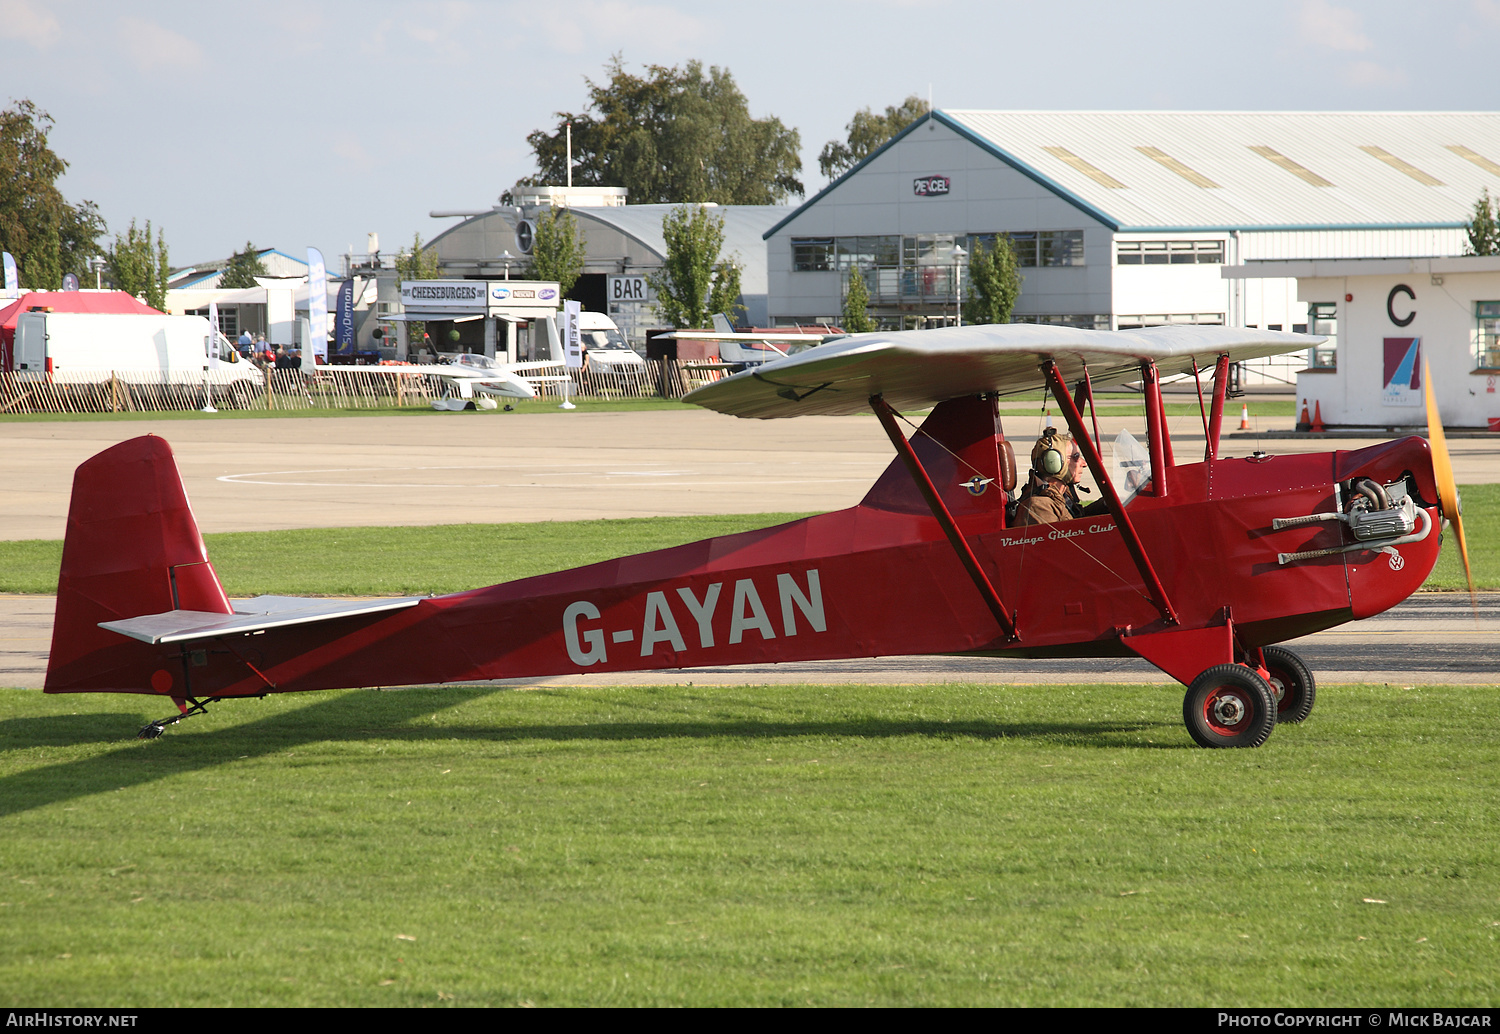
x,y
1244,416
1317,424
1304,421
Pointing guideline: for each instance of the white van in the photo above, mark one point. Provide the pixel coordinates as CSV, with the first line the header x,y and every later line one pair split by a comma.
x,y
96,348
604,346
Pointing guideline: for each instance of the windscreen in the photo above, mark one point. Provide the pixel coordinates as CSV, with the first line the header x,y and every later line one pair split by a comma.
x,y
1129,466
604,339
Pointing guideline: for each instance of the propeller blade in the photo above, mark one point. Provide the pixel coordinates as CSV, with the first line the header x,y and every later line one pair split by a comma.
x,y
1442,472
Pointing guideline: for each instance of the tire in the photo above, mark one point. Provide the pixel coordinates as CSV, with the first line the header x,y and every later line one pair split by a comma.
x,y
1292,684
1229,705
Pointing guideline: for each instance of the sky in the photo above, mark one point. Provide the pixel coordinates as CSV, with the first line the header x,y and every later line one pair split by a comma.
x,y
312,122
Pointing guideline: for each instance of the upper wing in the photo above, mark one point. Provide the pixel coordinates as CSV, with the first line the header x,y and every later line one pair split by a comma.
x,y
918,368
743,335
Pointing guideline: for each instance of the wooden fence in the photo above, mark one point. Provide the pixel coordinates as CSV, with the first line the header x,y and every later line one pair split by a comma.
x,y
325,387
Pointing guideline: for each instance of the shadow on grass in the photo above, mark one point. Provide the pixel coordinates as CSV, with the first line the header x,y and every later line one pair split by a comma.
x,y
385,716
64,730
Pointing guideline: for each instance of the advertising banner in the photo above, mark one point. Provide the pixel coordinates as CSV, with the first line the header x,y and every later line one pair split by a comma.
x,y
211,346
1403,372
571,336
317,308
465,296
344,318
11,281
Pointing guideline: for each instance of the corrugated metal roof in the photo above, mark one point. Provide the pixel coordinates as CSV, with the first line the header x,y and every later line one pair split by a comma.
x,y
1267,169
744,226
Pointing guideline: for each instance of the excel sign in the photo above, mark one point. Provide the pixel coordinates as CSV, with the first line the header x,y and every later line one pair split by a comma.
x,y
931,186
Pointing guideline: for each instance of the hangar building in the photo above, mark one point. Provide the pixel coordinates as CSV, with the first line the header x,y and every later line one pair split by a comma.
x,y
1125,219
623,243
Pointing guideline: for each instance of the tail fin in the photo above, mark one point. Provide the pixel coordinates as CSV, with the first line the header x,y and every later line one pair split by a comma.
x,y
722,324
132,548
964,450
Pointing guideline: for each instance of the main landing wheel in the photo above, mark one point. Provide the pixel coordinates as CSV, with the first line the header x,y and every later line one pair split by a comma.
x,y
1229,705
1292,684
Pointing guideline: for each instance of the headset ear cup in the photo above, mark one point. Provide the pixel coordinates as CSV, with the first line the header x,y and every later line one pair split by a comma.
x,y
1052,463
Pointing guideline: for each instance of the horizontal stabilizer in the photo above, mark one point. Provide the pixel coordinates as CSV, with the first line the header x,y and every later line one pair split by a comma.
x,y
254,615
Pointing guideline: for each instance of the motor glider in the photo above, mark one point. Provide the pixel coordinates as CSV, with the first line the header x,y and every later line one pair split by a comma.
x,y
1201,566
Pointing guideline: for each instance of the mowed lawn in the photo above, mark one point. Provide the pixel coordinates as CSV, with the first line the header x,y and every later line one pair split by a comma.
x,y
786,845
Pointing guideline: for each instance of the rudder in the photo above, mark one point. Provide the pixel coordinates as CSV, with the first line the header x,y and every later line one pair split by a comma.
x,y
132,548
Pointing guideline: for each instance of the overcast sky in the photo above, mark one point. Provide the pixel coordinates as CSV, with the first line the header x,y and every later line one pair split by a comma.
x,y
299,122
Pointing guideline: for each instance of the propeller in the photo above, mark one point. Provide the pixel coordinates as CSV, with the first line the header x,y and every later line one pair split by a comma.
x,y
1442,472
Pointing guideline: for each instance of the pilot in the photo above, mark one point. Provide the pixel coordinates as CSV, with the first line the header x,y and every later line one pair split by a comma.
x,y
1051,493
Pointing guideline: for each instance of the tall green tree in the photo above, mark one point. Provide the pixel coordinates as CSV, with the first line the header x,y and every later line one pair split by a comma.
x,y
867,131
1484,227
139,267
994,283
856,318
243,268
417,263
673,135
557,250
724,296
695,282
47,235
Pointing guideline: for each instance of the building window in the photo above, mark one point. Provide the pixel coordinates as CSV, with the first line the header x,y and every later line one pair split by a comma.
x,y
1046,248
1060,247
1323,320
1487,339
1169,253
1168,319
812,254
915,252
1086,322
229,319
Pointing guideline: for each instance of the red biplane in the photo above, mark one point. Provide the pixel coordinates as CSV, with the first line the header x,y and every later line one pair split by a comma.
x,y
1198,567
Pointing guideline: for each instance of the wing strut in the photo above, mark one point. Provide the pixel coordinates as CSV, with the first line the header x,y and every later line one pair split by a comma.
x,y
1107,489
944,518
1216,421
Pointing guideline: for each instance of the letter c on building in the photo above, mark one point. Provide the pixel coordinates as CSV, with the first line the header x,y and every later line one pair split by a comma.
x,y
1390,305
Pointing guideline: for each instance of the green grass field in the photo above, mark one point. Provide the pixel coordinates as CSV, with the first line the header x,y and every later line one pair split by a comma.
x,y
788,845
748,845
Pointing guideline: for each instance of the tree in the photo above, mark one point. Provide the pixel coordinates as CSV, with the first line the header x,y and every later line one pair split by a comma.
x,y
416,264
242,269
1484,228
856,318
557,252
138,268
695,282
48,236
725,295
673,135
867,131
994,283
